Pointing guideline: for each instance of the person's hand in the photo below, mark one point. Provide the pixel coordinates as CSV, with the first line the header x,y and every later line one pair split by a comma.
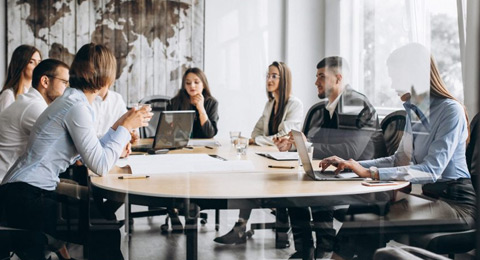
x,y
126,151
342,164
283,143
135,136
198,101
134,118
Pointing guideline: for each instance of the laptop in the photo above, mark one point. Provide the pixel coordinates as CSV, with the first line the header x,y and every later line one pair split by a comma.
x,y
318,175
173,131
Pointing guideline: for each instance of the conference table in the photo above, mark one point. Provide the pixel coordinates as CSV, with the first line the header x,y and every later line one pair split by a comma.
x,y
262,187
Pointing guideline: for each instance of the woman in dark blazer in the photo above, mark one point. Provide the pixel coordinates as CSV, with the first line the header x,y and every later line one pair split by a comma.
x,y
195,95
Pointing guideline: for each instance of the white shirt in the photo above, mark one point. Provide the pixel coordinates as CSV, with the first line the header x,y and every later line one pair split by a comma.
x,y
107,111
6,99
332,105
61,134
16,122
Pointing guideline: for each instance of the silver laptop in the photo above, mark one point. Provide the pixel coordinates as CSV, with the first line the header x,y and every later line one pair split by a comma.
x,y
318,175
173,132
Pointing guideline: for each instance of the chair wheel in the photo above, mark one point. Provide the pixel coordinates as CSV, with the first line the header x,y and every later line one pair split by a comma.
x,y
203,221
249,233
164,228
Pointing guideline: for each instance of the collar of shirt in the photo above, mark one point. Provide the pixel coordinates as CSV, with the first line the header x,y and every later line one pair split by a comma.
x,y
331,106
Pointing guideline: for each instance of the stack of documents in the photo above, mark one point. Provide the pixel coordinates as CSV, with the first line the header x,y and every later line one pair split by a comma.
x,y
203,142
281,156
182,163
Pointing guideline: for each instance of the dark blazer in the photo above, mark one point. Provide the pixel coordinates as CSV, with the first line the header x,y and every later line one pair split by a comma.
x,y
345,134
209,129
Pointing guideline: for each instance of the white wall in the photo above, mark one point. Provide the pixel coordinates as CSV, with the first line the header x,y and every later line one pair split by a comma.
x,y
242,37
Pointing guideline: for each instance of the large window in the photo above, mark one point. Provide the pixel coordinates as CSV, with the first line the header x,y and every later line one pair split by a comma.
x,y
377,27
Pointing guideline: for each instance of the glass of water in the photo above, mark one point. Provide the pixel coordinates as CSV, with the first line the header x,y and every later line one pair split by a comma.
x,y
241,145
234,135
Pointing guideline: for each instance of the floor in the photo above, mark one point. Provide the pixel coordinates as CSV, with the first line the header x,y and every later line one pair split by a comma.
x,y
147,241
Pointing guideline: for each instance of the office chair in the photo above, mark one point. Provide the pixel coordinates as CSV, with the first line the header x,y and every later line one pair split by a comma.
x,y
158,103
452,243
393,126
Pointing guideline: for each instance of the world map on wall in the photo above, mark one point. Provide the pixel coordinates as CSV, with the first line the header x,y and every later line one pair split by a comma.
x,y
154,41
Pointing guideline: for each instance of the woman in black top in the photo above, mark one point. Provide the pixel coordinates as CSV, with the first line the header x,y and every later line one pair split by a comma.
x,y
195,95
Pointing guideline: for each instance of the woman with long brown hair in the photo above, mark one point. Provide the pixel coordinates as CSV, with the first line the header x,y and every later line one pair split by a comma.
x,y
283,112
195,95
19,74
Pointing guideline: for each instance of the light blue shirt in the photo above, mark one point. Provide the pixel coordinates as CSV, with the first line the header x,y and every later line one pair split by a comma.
x,y
62,133
438,153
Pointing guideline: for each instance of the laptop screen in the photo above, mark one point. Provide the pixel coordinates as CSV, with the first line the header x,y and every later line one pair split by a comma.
x,y
303,153
174,129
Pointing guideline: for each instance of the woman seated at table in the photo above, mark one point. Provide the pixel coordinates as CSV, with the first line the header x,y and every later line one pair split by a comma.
x,y
62,134
283,112
19,74
195,95
432,150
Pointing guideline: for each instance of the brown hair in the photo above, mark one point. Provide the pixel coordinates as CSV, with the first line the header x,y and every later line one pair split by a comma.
x,y
284,90
20,58
182,93
47,68
93,67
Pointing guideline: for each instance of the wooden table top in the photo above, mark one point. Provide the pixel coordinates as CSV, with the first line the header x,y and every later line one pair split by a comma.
x,y
263,183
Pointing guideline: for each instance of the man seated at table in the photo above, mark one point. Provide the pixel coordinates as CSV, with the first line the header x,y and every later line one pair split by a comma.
x,y
345,123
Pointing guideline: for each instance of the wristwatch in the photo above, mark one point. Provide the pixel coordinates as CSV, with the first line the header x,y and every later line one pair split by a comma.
x,y
373,172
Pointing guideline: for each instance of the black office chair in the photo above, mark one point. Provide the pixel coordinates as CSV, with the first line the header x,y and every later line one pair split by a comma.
x,y
452,243
393,126
158,103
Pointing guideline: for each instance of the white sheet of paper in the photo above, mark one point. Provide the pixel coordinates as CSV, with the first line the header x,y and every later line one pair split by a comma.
x,y
182,163
281,156
203,142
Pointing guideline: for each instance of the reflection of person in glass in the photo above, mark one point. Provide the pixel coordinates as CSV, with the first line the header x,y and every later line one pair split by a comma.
x,y
195,95
432,151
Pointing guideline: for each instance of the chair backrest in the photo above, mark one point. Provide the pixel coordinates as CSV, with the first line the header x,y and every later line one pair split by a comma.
x,y
315,112
393,126
472,150
158,103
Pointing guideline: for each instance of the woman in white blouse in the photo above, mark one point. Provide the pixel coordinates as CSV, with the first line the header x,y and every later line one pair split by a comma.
x,y
283,112
19,75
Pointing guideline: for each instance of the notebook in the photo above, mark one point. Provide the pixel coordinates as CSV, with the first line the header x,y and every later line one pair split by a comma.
x,y
318,175
280,156
173,131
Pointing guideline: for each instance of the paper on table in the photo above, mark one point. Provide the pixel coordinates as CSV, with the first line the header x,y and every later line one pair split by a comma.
x,y
182,163
203,142
281,156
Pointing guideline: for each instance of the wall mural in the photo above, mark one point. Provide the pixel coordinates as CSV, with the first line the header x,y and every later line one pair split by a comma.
x,y
154,41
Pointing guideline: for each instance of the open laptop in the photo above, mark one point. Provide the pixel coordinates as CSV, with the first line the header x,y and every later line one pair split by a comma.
x,y
318,175
173,132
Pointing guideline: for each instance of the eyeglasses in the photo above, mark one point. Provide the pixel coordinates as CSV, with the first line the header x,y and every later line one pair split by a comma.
x,y
272,76
65,82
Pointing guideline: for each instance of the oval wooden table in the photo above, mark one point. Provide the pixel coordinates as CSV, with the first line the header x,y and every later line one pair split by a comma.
x,y
263,187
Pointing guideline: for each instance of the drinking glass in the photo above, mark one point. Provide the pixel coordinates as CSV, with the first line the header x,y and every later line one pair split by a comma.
x,y
241,145
234,135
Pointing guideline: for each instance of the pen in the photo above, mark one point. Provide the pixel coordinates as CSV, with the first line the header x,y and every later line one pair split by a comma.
x,y
281,167
133,177
188,147
209,147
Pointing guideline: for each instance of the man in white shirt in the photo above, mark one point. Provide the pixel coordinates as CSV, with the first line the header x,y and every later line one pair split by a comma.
x,y
50,78
108,108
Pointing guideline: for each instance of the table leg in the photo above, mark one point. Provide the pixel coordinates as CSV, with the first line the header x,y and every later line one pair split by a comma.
x,y
191,229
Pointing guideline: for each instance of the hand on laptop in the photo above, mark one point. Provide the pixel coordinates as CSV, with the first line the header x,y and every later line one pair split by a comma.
x,y
342,164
